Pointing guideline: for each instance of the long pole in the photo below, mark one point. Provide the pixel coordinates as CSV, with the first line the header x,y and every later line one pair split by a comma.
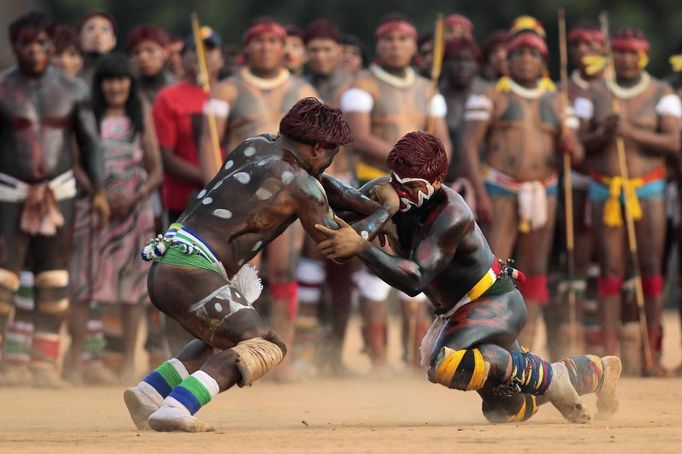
x,y
568,190
630,223
436,66
205,83
413,313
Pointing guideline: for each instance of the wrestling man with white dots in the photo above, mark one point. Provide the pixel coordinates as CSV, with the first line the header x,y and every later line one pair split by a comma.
x,y
201,277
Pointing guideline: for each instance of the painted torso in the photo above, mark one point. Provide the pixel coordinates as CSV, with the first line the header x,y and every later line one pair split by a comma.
x,y
522,138
258,111
250,201
37,120
455,102
446,211
640,111
396,110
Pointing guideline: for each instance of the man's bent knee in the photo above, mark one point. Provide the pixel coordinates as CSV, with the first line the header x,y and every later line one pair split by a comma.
x,y
258,356
465,370
9,284
52,292
519,409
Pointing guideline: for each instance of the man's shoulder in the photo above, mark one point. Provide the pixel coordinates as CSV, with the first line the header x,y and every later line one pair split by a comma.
x,y
366,81
455,209
9,74
480,86
661,86
72,84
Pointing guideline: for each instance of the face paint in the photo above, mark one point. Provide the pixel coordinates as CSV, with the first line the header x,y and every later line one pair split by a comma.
x,y
411,191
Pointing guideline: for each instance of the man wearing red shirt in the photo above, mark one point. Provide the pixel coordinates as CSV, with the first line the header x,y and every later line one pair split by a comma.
x,y
178,112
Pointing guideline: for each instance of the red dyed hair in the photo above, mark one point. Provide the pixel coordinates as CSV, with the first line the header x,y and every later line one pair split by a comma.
x,y
264,25
65,38
456,45
500,37
311,122
418,155
528,39
458,19
146,33
629,39
586,35
323,29
396,22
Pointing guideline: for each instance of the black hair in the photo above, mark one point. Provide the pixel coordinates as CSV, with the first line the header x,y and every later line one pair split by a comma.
x,y
353,40
37,20
111,66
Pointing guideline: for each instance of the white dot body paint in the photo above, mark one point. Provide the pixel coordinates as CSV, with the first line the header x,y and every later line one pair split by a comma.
x,y
257,245
287,177
201,193
218,307
222,213
242,177
249,151
207,201
229,164
262,163
240,263
263,194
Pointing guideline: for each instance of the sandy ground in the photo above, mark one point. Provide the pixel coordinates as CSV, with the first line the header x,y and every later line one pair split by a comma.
x,y
405,414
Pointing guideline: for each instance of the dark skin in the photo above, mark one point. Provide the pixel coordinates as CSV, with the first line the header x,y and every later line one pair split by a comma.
x,y
648,138
60,105
459,81
440,251
259,111
41,111
526,67
284,183
255,109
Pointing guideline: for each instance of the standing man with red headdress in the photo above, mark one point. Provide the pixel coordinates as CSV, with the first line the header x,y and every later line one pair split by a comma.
x,y
384,103
323,316
41,110
585,44
649,125
249,103
520,123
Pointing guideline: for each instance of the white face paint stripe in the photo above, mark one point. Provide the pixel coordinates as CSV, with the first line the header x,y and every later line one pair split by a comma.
x,y
422,197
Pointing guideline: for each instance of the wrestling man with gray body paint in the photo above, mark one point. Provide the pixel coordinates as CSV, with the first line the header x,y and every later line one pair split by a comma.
x,y
471,346
201,276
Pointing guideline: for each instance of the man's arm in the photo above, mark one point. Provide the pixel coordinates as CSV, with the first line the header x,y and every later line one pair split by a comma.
x,y
91,156
356,104
410,275
221,98
85,128
313,209
343,197
478,118
438,111
166,125
666,139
